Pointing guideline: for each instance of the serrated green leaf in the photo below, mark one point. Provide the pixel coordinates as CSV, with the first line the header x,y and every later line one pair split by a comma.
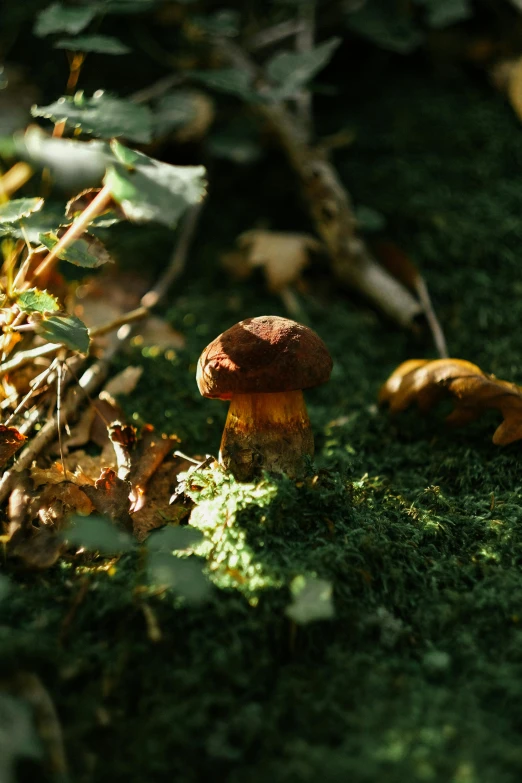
x,y
88,251
18,737
185,576
102,44
19,208
37,223
124,155
292,70
312,600
65,329
98,534
34,300
232,81
59,18
153,190
102,115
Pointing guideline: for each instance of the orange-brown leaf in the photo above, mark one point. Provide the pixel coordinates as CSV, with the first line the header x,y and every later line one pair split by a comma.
x,y
10,441
472,390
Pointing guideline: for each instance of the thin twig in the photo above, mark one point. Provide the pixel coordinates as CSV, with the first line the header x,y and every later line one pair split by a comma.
x,y
431,317
97,205
178,258
91,379
305,43
35,384
158,89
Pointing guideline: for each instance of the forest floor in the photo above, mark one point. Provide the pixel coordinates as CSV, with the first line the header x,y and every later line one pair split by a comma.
x,y
418,528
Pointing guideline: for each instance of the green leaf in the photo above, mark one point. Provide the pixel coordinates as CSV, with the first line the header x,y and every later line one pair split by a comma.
x,y
443,13
370,220
185,576
18,737
102,115
238,141
153,190
59,18
102,44
5,588
34,300
174,110
292,70
169,538
88,251
232,81
312,600
387,25
124,155
98,534
73,164
19,208
126,6
37,223
223,23
65,329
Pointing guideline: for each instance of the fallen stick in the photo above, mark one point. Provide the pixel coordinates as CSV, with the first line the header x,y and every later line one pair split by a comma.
x,y
330,205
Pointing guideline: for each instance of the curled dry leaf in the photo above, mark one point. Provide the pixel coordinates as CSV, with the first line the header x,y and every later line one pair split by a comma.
x,y
472,390
158,511
110,497
283,256
10,441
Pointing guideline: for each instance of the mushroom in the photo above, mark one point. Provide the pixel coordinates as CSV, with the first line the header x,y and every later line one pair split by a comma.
x,y
261,365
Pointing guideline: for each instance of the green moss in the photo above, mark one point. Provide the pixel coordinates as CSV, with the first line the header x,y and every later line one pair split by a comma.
x,y
419,529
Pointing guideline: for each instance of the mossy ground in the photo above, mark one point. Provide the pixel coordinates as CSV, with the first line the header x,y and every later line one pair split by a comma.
x,y
419,675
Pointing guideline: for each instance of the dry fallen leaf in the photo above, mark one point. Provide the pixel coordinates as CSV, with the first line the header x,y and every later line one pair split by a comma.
x,y
473,391
10,441
110,496
158,510
283,256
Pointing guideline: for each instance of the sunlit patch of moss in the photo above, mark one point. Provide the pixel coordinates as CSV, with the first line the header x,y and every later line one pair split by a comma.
x,y
220,500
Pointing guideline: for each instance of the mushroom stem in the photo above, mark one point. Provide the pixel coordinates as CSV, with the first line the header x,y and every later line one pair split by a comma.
x,y
266,432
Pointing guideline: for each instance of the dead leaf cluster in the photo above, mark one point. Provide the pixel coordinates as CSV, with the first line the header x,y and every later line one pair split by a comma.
x,y
473,392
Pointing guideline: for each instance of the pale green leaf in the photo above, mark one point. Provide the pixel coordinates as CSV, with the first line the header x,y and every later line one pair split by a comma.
x,y
5,587
292,70
59,18
34,300
67,330
18,737
184,576
443,13
387,25
72,164
174,110
102,44
170,538
312,600
102,115
88,251
19,208
98,534
233,81
126,6
152,190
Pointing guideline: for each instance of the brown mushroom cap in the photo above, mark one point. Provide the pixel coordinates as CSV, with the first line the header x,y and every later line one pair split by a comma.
x,y
263,355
